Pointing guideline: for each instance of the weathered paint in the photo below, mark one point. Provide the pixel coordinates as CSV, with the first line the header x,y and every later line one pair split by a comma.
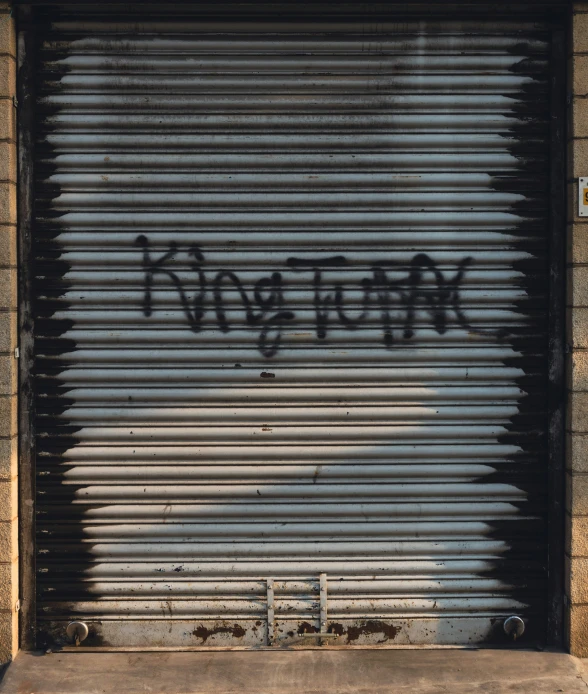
x,y
291,291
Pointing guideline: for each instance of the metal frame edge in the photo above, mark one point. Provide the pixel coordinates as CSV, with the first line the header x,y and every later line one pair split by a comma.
x,y
556,340
26,437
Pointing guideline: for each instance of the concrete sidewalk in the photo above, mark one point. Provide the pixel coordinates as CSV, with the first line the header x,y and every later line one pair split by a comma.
x,y
299,672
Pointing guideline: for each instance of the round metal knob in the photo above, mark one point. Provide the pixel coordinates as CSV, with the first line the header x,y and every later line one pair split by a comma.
x,y
514,627
77,632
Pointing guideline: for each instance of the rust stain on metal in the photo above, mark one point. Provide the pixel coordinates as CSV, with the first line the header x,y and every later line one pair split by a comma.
x,y
203,633
266,429
306,628
389,631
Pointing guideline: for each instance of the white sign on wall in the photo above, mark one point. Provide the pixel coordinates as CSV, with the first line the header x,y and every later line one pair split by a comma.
x,y
583,197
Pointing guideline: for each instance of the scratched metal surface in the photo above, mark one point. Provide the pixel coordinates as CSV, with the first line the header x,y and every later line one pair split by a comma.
x,y
290,281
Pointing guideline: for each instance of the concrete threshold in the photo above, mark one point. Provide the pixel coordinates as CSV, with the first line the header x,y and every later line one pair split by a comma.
x,y
298,672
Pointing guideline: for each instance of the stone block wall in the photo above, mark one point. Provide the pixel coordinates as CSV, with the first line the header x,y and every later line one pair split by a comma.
x,y
577,341
8,342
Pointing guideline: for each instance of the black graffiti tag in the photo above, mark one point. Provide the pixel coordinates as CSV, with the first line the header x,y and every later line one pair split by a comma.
x,y
267,295
321,301
194,312
390,290
409,291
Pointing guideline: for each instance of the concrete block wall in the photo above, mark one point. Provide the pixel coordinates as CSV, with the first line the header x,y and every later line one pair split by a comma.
x,y
8,342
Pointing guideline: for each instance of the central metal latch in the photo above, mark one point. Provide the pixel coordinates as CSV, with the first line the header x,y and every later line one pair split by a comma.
x,y
271,612
321,636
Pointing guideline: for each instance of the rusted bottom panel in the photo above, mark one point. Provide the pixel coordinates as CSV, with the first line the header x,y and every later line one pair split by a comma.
x,y
253,633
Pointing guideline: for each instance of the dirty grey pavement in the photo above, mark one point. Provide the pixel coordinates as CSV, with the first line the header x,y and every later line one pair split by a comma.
x,y
299,672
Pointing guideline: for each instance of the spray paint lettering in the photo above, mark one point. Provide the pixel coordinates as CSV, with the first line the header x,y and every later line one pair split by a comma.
x,y
421,285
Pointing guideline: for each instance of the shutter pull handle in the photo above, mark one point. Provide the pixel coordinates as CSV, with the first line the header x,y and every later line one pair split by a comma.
x,y
514,626
77,632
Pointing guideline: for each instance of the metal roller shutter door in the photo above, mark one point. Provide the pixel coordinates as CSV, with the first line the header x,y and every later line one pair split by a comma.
x,y
290,319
